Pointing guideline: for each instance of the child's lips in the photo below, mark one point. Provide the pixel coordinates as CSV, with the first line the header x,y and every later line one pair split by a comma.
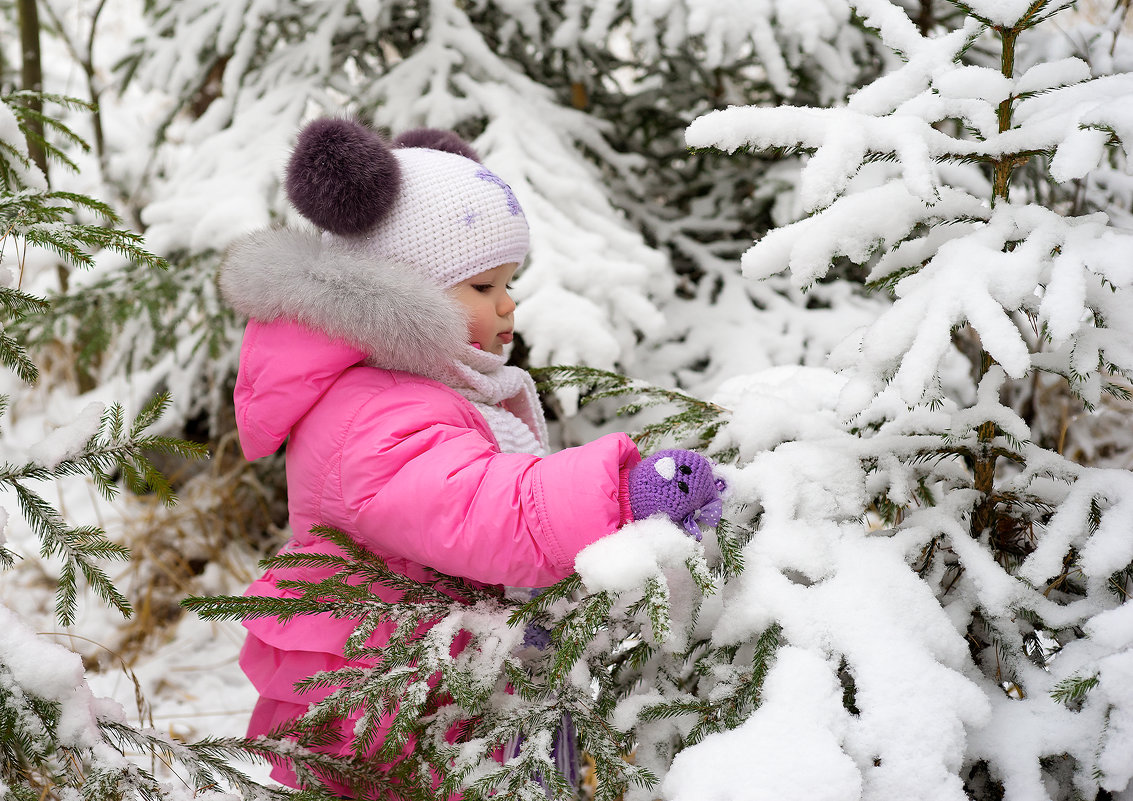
x,y
505,337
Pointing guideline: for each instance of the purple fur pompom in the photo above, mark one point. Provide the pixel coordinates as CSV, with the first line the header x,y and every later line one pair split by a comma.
x,y
342,176
437,139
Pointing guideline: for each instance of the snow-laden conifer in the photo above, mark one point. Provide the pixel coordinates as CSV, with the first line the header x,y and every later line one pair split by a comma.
x,y
57,739
977,574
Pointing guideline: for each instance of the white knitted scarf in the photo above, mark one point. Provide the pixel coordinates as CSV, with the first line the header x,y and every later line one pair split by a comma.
x,y
504,394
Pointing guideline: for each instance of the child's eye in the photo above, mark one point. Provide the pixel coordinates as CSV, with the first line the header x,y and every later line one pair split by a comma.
x,y
482,287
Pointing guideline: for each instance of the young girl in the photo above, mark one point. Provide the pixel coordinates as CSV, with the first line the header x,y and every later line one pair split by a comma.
x,y
375,348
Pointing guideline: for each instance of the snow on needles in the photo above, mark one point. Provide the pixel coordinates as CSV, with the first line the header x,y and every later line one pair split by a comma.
x,y
790,748
68,440
969,274
641,549
1040,290
54,674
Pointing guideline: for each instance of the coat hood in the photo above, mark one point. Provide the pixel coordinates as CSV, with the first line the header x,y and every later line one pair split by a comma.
x,y
391,312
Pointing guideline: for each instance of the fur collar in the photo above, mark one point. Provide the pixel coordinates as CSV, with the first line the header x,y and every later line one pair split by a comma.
x,y
393,313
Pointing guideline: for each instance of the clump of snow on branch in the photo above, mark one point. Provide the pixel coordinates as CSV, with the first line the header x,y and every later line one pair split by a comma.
x,y
53,674
68,440
790,748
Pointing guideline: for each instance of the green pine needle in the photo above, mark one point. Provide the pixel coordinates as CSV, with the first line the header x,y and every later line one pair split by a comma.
x,y
1074,688
693,418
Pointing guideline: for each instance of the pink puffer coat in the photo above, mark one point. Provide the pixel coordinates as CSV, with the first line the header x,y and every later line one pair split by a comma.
x,y
409,468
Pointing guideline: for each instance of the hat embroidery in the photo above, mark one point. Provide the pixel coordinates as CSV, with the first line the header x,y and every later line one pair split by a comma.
x,y
492,178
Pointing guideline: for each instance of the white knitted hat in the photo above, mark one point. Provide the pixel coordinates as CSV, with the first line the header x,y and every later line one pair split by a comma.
x,y
425,202
453,218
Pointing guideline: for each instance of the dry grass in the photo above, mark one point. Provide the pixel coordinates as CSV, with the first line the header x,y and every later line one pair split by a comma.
x,y
227,515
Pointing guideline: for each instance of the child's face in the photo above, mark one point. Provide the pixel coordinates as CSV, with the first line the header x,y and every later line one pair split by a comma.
x,y
488,306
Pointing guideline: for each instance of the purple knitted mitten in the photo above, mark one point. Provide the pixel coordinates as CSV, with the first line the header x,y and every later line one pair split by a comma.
x,y
680,485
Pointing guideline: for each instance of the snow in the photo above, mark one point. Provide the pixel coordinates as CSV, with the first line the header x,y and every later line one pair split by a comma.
x,y
639,550
51,672
214,195
1001,12
961,274
1112,628
779,33
790,747
1079,153
801,720
26,656
981,83
68,440
924,58
1020,729
1116,672
1051,74
850,227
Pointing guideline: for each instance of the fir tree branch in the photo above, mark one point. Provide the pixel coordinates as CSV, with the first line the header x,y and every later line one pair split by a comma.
x,y
694,416
1074,688
110,449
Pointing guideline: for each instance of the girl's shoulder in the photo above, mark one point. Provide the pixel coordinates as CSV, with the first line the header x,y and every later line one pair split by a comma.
x,y
397,399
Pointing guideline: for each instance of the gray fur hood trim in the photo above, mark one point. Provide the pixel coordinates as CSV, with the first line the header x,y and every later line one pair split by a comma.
x,y
393,313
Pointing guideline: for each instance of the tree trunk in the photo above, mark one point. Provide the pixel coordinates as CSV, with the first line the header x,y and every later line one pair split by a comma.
x,y
31,75
926,18
32,79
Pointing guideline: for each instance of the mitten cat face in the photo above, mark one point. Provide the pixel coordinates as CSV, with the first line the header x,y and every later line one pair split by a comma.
x,y
678,484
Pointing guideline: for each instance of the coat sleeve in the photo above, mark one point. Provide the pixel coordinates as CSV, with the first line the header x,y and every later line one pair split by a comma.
x,y
421,481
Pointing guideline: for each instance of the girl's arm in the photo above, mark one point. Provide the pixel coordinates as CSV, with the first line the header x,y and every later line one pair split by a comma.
x,y
438,492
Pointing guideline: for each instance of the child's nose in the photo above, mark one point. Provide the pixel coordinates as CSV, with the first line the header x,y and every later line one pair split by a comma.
x,y
506,305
